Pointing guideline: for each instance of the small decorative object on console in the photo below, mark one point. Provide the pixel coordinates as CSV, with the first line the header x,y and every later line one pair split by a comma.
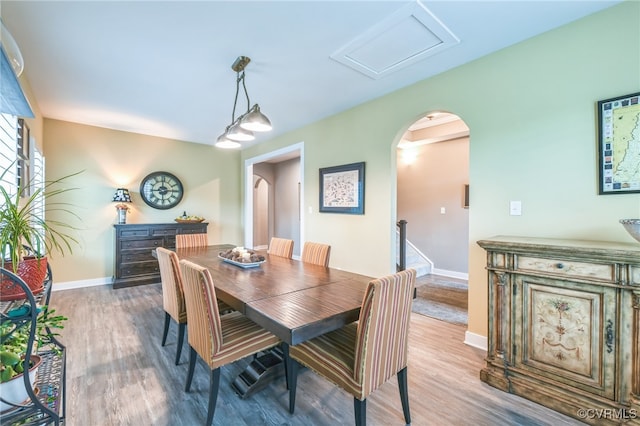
x,y
188,219
632,226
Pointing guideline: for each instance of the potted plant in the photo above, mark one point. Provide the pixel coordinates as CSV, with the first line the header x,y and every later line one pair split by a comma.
x,y
25,236
18,349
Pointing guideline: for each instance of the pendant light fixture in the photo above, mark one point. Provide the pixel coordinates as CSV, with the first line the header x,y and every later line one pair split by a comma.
x,y
253,120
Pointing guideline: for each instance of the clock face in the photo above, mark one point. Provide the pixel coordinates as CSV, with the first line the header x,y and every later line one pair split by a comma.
x,y
161,190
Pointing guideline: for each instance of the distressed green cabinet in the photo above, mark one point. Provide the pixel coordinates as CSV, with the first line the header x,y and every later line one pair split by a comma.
x,y
564,325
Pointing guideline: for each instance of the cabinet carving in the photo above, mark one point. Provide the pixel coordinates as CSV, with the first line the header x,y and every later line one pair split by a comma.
x,y
134,263
564,325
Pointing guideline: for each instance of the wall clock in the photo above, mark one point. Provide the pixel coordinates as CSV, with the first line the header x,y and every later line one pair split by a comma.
x,y
161,190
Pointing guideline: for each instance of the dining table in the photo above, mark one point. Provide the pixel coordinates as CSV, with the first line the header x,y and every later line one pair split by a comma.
x,y
294,300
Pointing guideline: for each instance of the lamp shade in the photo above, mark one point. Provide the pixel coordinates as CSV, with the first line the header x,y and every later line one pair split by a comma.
x,y
122,196
224,142
237,133
255,121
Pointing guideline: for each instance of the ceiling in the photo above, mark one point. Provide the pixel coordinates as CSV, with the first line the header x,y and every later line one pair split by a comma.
x,y
163,68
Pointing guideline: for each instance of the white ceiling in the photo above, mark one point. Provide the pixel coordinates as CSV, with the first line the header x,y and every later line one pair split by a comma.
x,y
163,68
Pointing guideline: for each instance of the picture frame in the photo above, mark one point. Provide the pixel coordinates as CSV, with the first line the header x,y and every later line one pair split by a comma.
x,y
618,145
342,189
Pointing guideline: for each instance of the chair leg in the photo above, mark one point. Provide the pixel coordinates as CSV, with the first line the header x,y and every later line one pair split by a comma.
x,y
192,367
292,374
167,319
214,385
404,394
360,410
181,329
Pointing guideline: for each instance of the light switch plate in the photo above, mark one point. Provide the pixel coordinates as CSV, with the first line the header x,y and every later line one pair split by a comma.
x,y
515,208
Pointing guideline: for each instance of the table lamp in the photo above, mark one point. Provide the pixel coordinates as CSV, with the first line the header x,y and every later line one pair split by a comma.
x,y
122,196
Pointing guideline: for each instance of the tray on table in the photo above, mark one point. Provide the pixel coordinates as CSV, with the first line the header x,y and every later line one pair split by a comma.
x,y
242,264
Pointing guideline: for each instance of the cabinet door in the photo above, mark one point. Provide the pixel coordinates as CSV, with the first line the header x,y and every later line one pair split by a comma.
x,y
567,332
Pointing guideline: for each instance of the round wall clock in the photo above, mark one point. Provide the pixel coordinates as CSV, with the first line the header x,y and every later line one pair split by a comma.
x,y
161,190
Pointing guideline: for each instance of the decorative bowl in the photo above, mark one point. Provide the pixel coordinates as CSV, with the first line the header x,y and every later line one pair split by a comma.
x,y
189,220
632,226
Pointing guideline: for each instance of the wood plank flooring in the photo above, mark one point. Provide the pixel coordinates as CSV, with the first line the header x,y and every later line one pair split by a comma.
x,y
118,374
442,298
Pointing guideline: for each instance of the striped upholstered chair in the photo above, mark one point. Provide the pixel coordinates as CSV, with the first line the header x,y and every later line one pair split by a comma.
x,y
281,247
191,240
362,356
316,253
218,340
172,296
199,240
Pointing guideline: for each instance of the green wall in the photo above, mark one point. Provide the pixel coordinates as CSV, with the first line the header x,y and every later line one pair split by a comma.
x,y
531,113
111,159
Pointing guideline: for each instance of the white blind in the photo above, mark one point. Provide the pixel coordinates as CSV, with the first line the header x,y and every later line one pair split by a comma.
x,y
8,154
37,183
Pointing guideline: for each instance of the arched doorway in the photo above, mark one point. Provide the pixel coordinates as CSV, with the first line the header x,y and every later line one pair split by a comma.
x,y
261,212
432,189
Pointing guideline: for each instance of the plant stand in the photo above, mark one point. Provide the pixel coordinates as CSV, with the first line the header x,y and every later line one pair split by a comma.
x,y
46,403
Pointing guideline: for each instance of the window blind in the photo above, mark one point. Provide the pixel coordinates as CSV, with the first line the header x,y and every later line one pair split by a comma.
x,y
8,154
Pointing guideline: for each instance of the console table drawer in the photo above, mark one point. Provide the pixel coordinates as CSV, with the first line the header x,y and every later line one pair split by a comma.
x,y
129,256
139,268
164,231
134,233
564,268
141,244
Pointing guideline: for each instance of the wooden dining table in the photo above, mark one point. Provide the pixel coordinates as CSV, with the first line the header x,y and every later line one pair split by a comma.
x,y
294,300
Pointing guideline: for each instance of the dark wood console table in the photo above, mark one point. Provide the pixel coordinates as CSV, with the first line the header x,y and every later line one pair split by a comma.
x,y
134,264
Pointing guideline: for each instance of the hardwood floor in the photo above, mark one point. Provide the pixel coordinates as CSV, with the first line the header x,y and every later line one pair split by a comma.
x,y
118,374
445,290
442,298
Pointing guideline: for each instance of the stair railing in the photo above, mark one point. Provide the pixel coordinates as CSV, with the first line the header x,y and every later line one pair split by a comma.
x,y
402,228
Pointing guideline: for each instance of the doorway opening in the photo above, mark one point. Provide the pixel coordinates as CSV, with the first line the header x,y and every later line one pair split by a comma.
x,y
432,196
273,197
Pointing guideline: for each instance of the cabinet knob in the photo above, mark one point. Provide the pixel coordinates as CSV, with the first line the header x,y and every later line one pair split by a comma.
x,y
155,243
559,265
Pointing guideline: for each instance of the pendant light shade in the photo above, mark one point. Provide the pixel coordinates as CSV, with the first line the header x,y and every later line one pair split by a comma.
x,y
237,133
242,128
255,120
224,142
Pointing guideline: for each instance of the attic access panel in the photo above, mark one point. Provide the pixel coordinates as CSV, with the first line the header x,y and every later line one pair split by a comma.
x,y
407,36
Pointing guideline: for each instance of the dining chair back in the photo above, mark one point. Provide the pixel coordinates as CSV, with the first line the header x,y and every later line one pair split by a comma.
x,y
191,240
361,356
218,340
172,295
281,247
316,253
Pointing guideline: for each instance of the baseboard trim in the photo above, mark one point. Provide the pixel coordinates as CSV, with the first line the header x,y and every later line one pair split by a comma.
x,y
450,274
70,285
475,340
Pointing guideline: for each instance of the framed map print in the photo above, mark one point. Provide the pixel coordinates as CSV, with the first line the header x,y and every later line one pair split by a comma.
x,y
342,189
619,145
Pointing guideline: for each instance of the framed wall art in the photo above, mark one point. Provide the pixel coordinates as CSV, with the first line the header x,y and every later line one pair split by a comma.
x,y
619,145
342,189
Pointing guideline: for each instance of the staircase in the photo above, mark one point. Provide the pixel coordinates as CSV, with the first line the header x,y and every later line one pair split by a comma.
x,y
415,258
